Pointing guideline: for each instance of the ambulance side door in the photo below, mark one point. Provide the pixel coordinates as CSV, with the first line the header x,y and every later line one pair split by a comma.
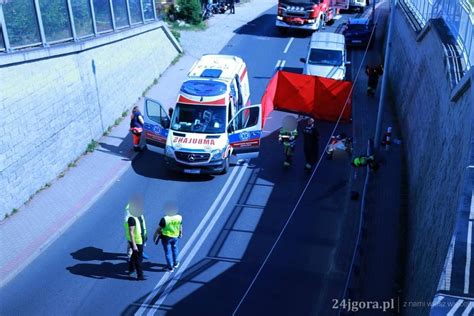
x,y
245,131
157,123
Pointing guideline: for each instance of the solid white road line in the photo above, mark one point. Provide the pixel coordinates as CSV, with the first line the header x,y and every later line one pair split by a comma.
x,y
449,266
288,45
201,240
277,66
283,62
471,212
467,270
187,247
468,309
455,308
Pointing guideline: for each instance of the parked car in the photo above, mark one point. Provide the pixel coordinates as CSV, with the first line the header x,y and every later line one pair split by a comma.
x,y
357,32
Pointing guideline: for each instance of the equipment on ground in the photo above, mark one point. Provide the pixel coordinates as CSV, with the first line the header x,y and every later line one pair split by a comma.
x,y
339,143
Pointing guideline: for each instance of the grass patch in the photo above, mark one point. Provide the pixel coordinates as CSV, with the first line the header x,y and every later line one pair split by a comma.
x,y
6,216
107,131
72,164
15,210
124,113
92,146
155,81
177,58
176,34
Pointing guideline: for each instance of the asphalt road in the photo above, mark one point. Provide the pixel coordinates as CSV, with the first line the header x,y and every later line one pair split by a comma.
x,y
231,223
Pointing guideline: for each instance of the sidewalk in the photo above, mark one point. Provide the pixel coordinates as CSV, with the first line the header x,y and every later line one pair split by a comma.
x,y
376,271
43,219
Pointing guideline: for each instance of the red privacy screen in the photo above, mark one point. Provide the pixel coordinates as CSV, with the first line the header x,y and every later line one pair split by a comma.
x,y
321,98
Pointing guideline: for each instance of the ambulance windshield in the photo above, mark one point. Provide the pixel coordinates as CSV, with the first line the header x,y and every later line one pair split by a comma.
x,y
199,119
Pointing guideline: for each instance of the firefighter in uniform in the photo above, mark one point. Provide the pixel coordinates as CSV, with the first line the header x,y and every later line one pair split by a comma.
x,y
310,143
169,231
373,73
135,231
287,137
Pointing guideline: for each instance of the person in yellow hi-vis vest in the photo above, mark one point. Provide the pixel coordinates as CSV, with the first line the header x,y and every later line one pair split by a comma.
x,y
135,231
169,231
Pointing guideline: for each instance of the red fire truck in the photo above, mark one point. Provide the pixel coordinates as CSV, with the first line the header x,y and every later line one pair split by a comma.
x,y
307,14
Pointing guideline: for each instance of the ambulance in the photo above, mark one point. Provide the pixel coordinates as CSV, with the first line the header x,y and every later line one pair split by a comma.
x,y
212,122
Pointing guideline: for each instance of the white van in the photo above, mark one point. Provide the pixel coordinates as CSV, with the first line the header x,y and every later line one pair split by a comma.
x,y
212,121
327,56
358,4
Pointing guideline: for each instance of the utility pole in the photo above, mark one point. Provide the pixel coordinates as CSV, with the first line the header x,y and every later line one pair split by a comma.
x,y
388,48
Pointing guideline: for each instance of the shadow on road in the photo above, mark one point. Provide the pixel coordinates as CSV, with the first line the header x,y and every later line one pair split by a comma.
x,y
152,165
264,26
106,270
308,264
296,70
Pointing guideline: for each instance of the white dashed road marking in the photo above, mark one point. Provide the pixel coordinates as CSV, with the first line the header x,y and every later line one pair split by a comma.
x,y
288,45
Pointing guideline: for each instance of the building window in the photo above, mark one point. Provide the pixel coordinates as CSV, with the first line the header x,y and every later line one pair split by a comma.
x,y
21,23
148,9
81,10
120,13
55,17
135,11
2,43
103,18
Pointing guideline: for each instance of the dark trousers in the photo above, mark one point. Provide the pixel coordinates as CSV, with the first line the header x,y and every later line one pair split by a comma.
x,y
232,8
135,262
311,152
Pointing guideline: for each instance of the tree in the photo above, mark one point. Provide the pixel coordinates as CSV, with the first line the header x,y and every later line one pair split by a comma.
x,y
190,11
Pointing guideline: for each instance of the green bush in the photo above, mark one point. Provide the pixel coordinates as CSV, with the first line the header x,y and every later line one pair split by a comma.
x,y
190,11
171,13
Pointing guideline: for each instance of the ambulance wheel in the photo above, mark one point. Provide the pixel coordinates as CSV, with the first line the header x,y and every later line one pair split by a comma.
x,y
226,166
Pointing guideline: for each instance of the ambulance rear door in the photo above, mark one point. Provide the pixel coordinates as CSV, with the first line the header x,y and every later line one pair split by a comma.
x,y
245,131
157,123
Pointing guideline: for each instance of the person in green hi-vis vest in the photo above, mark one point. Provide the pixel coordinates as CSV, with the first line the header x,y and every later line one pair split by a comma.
x,y
169,230
287,137
136,234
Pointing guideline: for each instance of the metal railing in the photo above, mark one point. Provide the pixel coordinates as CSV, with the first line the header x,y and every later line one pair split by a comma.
x,y
458,15
30,23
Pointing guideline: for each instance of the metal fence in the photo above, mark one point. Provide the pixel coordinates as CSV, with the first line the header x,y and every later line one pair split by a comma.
x,y
458,15
27,23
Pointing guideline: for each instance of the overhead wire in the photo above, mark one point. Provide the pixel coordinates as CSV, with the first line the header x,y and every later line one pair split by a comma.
x,y
336,125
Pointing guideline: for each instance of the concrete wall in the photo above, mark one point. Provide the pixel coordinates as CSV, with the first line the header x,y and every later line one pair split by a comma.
x,y
52,106
436,134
